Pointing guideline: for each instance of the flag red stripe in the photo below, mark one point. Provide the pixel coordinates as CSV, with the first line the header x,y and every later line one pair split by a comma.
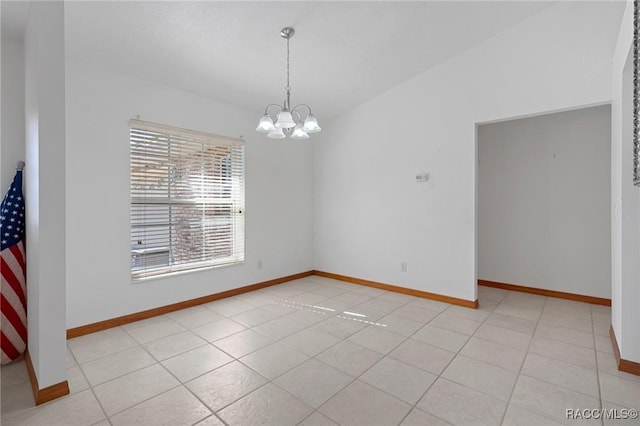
x,y
17,252
14,319
13,281
7,347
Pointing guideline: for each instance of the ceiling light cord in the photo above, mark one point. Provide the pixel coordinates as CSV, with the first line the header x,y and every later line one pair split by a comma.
x,y
287,88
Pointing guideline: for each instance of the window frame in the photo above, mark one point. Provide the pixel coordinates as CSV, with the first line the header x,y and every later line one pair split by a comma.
x,y
215,203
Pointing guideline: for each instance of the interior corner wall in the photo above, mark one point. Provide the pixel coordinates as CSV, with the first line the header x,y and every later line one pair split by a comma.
x,y
544,185
370,214
100,104
625,200
12,148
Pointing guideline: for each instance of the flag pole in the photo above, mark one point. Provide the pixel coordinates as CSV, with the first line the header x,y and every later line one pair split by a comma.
x,y
20,166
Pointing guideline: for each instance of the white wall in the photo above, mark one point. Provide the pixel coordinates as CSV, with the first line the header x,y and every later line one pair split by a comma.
x,y
12,148
278,195
369,212
625,201
44,190
544,186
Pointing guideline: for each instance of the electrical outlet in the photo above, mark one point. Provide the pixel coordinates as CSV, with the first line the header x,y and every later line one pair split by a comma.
x,y
259,264
403,266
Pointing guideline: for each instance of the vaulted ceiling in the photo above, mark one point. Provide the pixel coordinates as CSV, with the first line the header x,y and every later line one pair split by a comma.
x,y
343,53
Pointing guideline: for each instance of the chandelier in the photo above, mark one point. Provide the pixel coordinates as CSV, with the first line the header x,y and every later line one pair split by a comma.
x,y
289,121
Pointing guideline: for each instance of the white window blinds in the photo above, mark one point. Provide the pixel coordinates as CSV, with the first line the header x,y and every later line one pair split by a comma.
x,y
187,199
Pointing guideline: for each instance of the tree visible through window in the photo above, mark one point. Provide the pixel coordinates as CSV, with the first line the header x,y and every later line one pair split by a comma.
x,y
187,199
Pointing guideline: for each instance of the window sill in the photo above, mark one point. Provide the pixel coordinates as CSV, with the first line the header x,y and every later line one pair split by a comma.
x,y
137,280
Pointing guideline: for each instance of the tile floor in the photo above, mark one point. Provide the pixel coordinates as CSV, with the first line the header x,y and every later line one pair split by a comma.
x,y
322,352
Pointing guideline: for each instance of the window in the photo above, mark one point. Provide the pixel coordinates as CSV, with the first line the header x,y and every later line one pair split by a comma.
x,y
187,199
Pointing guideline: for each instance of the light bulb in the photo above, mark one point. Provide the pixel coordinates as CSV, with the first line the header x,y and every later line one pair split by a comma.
x,y
285,120
276,134
299,133
311,124
266,124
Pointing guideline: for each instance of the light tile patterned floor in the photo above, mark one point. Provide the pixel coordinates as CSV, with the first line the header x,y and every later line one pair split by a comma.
x,y
323,352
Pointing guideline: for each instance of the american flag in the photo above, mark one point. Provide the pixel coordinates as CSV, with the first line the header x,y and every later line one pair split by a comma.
x,y
13,302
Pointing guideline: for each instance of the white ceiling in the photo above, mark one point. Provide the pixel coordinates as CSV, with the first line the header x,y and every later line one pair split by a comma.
x,y
343,53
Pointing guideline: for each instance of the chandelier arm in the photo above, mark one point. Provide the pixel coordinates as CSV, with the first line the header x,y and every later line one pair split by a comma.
x,y
302,105
293,111
266,110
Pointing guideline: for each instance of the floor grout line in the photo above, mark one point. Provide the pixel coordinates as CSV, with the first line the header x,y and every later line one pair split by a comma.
x,y
90,387
283,300
439,376
595,354
524,360
371,297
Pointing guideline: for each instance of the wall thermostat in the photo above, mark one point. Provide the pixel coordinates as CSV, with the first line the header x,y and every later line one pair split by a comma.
x,y
422,177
